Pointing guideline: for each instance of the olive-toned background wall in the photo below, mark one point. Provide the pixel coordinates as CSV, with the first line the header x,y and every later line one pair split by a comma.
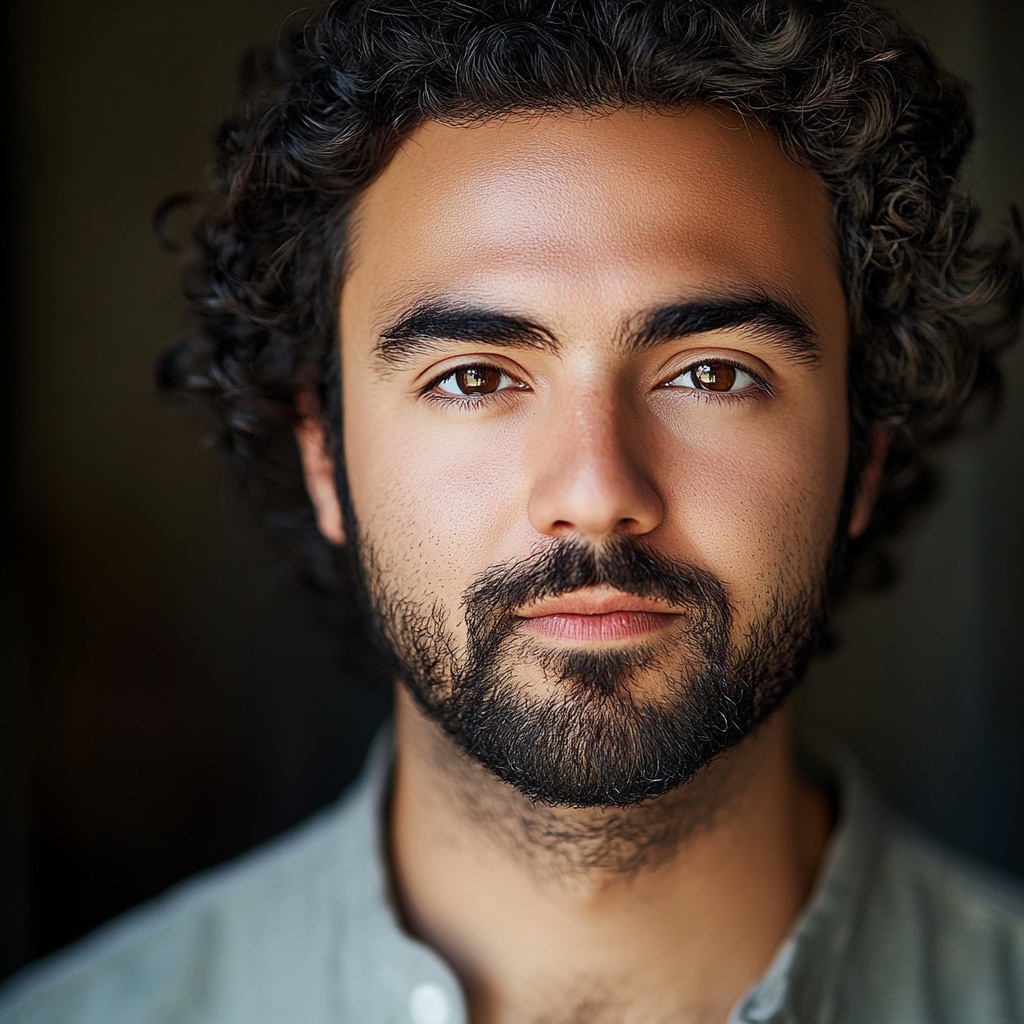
x,y
165,703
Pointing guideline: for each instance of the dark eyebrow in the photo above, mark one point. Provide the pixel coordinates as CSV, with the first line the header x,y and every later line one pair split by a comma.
x,y
430,323
775,320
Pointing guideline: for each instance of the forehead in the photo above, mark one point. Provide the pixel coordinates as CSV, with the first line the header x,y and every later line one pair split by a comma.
x,y
613,209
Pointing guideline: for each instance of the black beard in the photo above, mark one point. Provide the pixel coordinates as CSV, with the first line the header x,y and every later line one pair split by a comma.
x,y
595,742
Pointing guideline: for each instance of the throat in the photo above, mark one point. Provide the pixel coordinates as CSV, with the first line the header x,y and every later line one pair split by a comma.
x,y
556,915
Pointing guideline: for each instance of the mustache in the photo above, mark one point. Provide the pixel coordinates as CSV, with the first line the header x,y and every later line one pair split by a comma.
x,y
571,564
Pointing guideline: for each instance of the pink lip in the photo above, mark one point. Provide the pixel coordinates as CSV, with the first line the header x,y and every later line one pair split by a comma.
x,y
593,601
596,614
618,625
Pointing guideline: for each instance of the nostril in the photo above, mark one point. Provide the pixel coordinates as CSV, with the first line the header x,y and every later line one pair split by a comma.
x,y
603,492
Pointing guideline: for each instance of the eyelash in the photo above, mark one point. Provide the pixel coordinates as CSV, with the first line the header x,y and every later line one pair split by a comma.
x,y
468,401
429,392
760,384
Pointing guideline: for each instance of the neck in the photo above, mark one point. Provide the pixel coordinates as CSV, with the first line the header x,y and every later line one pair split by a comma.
x,y
667,910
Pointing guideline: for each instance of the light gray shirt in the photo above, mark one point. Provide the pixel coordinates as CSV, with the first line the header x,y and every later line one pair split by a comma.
x,y
303,931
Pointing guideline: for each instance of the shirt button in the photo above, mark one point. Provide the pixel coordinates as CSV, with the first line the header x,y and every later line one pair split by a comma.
x,y
428,1004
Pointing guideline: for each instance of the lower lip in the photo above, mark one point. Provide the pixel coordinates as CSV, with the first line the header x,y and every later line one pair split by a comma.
x,y
595,628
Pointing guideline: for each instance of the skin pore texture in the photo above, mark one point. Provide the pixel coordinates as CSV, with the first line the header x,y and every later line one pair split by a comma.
x,y
723,447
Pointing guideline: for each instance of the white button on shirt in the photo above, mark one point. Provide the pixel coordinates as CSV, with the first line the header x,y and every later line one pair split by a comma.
x,y
428,1004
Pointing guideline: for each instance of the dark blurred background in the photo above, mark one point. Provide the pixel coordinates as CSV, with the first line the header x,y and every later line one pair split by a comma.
x,y
164,700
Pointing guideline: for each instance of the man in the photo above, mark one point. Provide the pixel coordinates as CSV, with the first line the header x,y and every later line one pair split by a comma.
x,y
614,338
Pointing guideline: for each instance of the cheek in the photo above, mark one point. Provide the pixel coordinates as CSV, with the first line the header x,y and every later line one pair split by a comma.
x,y
759,505
437,505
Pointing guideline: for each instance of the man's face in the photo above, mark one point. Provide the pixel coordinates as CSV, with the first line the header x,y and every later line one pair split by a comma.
x,y
575,345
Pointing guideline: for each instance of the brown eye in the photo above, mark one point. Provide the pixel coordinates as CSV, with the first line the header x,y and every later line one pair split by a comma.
x,y
474,380
714,376
717,377
478,380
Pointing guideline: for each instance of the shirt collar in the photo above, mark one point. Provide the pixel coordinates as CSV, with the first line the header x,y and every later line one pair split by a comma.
x,y
802,983
385,975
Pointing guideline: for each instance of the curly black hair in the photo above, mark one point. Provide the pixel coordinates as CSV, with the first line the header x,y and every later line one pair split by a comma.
x,y
845,85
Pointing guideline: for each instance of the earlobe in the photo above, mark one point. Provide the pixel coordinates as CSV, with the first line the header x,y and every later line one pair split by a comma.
x,y
318,468
870,482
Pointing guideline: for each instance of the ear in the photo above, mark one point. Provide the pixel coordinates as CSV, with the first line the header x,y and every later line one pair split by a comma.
x,y
870,481
318,467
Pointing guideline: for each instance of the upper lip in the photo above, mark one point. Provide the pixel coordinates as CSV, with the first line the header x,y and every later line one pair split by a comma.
x,y
594,601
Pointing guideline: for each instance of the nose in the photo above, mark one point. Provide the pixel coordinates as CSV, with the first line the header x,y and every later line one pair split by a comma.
x,y
590,480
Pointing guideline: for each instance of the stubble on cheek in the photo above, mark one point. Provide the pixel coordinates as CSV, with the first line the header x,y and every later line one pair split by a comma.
x,y
434,513
417,573
773,530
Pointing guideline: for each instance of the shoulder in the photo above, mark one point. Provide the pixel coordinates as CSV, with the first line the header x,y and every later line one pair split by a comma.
x,y
939,938
955,887
243,942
